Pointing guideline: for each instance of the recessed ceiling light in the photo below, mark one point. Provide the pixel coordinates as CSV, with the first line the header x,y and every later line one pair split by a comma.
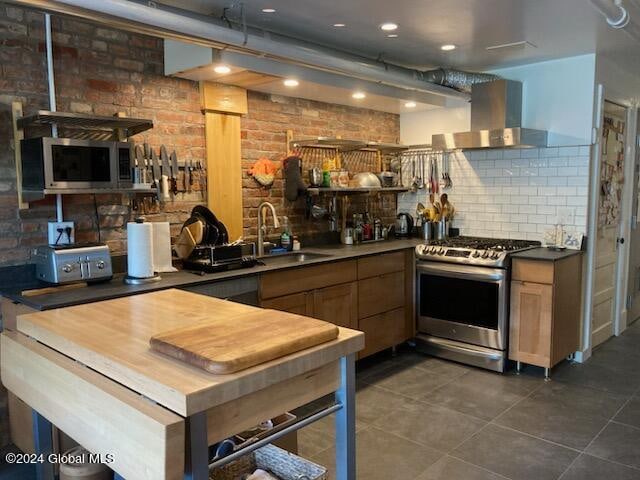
x,y
268,10
392,35
339,25
448,47
358,95
389,27
291,82
222,69
410,104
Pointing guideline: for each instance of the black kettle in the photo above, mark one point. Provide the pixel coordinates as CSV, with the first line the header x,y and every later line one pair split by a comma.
x,y
404,225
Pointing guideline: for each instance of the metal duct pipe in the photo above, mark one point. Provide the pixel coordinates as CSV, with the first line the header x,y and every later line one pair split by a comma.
x,y
458,79
183,25
617,16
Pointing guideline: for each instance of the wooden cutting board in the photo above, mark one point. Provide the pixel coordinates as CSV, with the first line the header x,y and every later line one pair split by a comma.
x,y
227,345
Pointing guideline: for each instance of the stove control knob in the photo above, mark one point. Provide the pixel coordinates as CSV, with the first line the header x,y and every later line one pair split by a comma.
x,y
485,254
496,255
67,268
475,254
442,251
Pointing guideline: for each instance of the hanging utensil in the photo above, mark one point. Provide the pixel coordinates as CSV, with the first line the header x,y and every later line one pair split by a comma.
x,y
420,175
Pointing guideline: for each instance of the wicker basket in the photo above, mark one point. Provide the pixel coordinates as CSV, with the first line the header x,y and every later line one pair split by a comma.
x,y
282,464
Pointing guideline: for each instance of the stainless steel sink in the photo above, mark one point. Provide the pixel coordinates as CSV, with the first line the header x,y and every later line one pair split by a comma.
x,y
286,258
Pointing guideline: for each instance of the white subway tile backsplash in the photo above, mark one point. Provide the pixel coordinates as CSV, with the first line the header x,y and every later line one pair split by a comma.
x,y
527,209
549,152
537,200
514,193
557,181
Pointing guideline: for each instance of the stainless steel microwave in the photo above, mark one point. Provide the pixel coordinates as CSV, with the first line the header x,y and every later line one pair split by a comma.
x,y
50,164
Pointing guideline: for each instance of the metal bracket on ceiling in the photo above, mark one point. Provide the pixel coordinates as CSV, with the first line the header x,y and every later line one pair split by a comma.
x,y
380,59
243,17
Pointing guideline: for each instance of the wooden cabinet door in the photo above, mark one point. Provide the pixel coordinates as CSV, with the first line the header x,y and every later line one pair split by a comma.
x,y
337,304
531,317
384,330
381,294
300,303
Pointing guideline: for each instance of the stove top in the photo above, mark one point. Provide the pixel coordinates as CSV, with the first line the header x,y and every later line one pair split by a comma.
x,y
490,252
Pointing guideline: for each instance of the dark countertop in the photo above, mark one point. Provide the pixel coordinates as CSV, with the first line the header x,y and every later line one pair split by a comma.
x,y
545,254
116,288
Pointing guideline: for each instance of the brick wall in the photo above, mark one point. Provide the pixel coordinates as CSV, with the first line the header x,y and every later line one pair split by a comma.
x,y
97,70
264,135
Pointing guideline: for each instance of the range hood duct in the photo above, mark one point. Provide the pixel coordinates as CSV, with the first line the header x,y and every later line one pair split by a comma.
x,y
178,24
458,79
496,121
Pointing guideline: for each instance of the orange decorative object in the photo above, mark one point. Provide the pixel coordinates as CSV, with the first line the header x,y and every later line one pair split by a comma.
x,y
264,171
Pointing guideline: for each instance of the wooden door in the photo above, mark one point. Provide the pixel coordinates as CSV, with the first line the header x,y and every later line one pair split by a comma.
x,y
337,304
300,303
531,317
612,146
633,288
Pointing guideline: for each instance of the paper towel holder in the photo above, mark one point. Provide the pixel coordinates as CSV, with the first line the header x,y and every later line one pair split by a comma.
x,y
130,280
140,280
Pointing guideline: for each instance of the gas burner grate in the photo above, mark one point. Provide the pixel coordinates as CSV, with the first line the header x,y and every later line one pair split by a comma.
x,y
481,243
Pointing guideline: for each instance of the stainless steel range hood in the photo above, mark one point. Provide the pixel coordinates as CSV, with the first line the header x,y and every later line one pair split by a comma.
x,y
496,121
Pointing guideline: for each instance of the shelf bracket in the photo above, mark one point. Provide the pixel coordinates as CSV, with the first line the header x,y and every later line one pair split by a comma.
x,y
16,113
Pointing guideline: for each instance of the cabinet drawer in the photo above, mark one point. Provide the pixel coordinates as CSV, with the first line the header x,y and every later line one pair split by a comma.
x,y
534,271
382,331
380,294
300,303
380,264
277,284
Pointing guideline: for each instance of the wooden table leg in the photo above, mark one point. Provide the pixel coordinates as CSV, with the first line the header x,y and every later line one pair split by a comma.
x,y
43,443
346,421
197,452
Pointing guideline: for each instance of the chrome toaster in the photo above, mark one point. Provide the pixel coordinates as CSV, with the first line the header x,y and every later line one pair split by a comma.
x,y
73,263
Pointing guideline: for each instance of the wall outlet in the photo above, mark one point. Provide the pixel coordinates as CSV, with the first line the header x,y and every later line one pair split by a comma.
x,y
61,233
566,216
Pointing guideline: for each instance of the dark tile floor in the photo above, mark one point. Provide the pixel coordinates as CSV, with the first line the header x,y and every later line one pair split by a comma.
x,y
420,418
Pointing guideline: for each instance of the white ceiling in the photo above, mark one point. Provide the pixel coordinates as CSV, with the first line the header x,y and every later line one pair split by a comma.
x,y
555,28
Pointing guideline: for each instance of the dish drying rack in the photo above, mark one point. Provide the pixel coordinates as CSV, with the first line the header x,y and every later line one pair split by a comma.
x,y
355,156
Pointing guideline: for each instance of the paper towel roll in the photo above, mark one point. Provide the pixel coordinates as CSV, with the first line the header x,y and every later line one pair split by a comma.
x,y
162,247
140,250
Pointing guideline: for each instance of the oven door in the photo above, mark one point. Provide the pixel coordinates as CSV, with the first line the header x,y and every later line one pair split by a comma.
x,y
72,163
463,302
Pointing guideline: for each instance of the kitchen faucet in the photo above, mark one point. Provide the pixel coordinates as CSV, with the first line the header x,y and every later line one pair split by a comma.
x,y
262,228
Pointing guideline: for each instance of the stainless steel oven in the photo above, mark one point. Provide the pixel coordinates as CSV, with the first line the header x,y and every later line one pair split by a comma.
x,y
463,302
463,299
74,164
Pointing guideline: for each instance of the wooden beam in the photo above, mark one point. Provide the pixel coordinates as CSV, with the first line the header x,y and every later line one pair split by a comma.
x,y
147,441
224,170
216,97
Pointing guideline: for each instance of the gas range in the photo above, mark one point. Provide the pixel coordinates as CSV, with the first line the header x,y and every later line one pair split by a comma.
x,y
487,252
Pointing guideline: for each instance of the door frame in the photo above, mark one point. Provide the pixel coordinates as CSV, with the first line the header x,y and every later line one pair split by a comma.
x,y
624,255
620,311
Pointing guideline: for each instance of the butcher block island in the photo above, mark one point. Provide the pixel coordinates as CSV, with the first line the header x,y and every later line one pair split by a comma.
x,y
90,371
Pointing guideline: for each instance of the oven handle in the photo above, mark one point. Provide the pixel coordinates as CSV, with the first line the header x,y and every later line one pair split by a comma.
x,y
470,272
